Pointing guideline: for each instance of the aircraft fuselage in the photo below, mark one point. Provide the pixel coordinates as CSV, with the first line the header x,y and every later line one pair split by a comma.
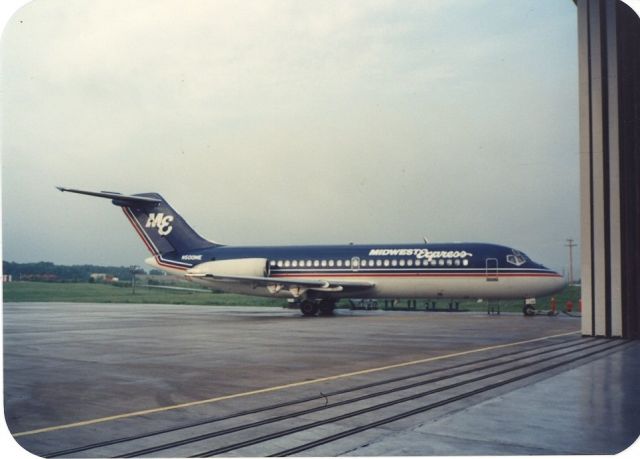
x,y
447,270
317,275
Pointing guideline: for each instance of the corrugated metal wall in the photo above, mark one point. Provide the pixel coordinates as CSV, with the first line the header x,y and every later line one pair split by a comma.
x,y
609,67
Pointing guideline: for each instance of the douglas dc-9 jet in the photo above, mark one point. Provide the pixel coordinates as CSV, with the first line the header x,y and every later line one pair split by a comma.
x,y
317,276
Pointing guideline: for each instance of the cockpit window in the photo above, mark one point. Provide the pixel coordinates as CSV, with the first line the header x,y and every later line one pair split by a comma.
x,y
516,258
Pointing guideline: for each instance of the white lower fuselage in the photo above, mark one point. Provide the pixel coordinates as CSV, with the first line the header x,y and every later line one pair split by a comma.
x,y
508,287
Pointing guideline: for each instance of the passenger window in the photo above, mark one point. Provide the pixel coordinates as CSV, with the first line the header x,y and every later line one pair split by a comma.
x,y
465,262
347,263
294,263
339,263
401,262
441,262
371,263
324,263
287,263
308,263
378,262
449,262
316,263
331,263
386,262
409,262
279,263
457,262
394,263
272,263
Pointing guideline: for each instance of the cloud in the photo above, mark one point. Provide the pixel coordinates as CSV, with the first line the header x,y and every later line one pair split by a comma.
x,y
291,122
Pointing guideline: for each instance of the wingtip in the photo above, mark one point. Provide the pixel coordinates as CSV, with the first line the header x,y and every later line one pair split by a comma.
x,y
61,188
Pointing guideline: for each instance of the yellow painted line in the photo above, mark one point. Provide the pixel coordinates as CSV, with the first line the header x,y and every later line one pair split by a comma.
x,y
276,388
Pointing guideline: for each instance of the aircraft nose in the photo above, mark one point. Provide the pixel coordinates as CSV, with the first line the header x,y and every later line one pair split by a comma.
x,y
558,282
562,282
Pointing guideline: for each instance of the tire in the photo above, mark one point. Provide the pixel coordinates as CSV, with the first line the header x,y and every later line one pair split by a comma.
x,y
529,310
308,308
326,308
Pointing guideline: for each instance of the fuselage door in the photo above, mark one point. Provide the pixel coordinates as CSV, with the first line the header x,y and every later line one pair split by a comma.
x,y
355,263
492,269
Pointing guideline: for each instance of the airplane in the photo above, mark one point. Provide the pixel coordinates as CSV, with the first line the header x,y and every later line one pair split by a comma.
x,y
317,276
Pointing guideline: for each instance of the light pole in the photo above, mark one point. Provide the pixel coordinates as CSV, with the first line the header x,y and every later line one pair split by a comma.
x,y
133,268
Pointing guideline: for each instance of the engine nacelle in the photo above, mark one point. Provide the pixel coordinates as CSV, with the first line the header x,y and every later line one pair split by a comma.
x,y
253,267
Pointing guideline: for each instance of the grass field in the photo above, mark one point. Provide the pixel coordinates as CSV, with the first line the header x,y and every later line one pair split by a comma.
x,y
103,293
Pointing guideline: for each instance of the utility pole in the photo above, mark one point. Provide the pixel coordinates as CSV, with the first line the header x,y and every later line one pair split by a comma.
x,y
571,245
133,268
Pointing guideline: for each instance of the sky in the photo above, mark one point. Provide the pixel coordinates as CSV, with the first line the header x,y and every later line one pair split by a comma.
x,y
291,122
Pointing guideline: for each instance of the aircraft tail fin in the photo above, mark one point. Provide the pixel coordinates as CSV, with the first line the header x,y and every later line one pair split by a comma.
x,y
161,228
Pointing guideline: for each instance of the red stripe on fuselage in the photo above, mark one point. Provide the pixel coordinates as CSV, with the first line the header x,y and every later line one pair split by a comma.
x,y
491,276
161,263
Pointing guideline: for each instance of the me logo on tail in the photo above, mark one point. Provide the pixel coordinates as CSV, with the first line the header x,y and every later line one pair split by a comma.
x,y
160,221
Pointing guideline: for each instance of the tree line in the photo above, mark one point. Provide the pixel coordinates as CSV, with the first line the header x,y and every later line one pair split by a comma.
x,y
48,271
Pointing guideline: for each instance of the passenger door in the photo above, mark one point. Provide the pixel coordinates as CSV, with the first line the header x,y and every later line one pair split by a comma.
x,y
492,269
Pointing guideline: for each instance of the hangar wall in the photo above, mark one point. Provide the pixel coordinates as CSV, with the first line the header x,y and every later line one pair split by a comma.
x,y
609,82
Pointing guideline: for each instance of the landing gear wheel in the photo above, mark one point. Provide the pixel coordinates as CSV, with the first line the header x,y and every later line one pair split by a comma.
x,y
308,308
529,310
326,308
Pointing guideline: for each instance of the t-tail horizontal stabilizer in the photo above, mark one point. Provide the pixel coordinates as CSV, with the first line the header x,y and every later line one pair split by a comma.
x,y
162,229
118,198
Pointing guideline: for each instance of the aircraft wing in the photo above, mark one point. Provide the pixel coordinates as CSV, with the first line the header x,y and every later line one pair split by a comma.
x,y
297,287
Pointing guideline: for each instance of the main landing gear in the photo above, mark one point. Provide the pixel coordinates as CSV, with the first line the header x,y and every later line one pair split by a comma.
x,y
311,308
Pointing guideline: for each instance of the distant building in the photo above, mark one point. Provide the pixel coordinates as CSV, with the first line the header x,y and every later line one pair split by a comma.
x,y
103,277
7,278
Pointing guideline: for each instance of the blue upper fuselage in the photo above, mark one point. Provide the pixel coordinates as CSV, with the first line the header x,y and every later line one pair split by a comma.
x,y
374,257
